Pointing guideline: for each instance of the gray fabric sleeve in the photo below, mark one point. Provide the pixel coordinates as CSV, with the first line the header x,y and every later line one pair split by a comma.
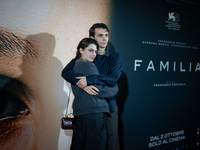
x,y
90,69
106,91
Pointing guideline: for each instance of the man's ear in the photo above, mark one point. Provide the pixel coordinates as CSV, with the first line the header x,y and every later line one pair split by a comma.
x,y
91,37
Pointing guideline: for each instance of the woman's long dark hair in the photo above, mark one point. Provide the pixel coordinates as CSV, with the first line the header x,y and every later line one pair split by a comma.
x,y
85,43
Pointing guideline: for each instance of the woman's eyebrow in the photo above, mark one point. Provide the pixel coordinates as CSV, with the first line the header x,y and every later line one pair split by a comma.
x,y
12,45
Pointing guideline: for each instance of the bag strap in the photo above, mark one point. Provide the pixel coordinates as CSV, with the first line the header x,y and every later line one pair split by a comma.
x,y
68,101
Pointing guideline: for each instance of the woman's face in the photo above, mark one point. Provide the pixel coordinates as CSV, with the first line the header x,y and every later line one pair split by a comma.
x,y
89,53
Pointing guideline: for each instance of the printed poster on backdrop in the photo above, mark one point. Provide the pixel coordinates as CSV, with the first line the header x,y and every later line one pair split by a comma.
x,y
159,101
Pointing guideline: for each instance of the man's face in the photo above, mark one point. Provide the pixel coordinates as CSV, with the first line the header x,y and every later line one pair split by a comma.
x,y
102,37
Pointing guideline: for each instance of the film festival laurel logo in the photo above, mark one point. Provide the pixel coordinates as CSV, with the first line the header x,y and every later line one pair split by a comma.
x,y
173,21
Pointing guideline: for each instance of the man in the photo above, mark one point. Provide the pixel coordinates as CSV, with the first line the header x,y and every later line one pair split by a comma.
x,y
109,65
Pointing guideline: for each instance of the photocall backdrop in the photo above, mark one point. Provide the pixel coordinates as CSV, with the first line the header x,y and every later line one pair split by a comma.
x,y
158,41
158,99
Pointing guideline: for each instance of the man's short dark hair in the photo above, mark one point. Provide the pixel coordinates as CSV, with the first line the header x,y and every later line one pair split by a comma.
x,y
97,25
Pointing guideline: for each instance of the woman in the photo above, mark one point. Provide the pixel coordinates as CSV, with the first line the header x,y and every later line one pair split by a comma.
x,y
89,128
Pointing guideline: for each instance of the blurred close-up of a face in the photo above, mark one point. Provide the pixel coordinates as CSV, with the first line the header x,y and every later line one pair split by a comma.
x,y
26,96
37,39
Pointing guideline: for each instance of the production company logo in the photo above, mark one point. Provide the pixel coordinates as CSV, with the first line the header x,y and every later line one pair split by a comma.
x,y
173,22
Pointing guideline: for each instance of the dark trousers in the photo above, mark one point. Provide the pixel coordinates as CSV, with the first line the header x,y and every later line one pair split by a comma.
x,y
89,132
112,130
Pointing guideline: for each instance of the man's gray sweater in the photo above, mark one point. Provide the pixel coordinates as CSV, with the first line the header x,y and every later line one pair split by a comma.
x,y
85,103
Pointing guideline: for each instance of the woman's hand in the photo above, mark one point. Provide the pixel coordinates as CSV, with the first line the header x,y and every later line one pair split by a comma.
x,y
91,90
